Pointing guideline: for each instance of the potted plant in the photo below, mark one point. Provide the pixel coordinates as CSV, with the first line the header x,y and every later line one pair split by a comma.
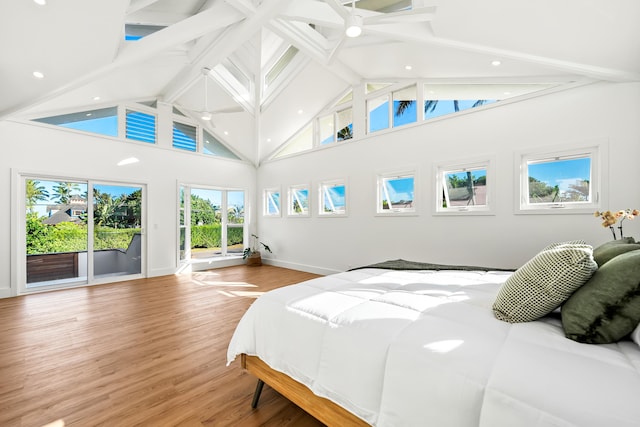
x,y
252,253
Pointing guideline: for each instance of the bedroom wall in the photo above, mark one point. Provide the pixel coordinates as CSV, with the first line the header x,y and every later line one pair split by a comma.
x,y
602,111
38,149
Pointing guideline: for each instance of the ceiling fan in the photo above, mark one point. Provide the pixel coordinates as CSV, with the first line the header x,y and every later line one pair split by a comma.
x,y
206,114
358,21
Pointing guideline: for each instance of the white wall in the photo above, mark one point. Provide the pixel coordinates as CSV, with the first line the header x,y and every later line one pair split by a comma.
x,y
602,111
34,148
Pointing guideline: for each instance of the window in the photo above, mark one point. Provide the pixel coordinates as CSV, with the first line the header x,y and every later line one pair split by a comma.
x,y
335,126
280,65
301,142
404,106
463,188
562,180
211,223
141,126
184,136
271,202
332,198
133,32
213,147
103,121
378,113
298,201
396,193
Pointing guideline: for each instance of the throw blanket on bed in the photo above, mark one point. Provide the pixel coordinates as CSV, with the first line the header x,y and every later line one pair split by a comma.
x,y
423,348
402,264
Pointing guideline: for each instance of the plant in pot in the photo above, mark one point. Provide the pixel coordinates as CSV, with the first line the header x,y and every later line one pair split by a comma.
x,y
252,253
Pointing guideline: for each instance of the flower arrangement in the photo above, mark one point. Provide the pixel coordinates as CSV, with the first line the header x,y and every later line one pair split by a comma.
x,y
609,219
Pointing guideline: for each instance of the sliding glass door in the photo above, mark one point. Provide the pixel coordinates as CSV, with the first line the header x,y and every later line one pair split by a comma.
x,y
70,242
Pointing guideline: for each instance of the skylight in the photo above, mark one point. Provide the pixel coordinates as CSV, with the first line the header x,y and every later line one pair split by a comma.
x,y
134,32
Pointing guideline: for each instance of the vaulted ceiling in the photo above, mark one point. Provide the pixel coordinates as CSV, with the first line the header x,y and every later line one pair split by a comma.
x,y
80,47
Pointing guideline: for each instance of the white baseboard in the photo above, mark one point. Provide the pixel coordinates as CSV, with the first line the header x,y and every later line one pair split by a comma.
x,y
300,267
6,293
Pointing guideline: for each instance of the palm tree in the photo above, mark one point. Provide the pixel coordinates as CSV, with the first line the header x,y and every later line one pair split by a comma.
x,y
431,104
35,193
63,191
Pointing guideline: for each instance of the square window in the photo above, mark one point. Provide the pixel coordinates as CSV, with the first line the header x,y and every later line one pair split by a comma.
x,y
567,180
344,124
396,193
298,201
271,202
464,187
332,198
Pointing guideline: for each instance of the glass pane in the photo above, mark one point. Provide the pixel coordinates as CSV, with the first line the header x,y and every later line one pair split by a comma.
x,y
272,203
465,188
301,142
560,180
325,130
333,199
117,218
103,121
344,124
404,106
182,226
299,201
184,136
397,193
235,221
378,113
141,126
56,232
214,147
206,223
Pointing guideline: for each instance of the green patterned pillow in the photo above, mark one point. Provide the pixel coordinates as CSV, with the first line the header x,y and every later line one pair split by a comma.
x,y
607,308
612,249
545,282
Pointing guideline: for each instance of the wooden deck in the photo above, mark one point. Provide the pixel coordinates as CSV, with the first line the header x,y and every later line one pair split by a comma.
x,y
149,352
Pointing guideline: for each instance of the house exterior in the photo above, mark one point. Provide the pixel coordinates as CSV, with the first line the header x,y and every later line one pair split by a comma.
x,y
594,102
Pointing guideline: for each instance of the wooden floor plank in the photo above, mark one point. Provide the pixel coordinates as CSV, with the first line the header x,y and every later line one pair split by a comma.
x,y
149,352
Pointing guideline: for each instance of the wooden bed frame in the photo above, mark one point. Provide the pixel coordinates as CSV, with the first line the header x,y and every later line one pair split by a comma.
x,y
320,408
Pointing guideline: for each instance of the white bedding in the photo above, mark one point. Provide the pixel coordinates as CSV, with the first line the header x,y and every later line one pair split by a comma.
x,y
422,348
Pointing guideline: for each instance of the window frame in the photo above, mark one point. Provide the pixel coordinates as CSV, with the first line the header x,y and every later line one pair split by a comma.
x,y
399,174
265,202
322,187
440,171
290,190
596,151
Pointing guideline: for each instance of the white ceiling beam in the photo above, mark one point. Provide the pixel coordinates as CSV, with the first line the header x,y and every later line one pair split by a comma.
x,y
136,5
153,44
320,54
223,47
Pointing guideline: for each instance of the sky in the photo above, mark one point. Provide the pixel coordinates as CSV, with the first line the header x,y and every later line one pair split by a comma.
x,y
562,173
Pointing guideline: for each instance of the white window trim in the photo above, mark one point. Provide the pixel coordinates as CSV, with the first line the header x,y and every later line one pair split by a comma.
x,y
440,169
265,202
290,212
413,211
596,149
321,189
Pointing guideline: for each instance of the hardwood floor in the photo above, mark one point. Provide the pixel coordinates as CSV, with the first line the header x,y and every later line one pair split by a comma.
x,y
148,352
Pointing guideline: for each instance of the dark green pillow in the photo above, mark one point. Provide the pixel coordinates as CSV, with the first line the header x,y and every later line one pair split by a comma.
x,y
612,249
607,307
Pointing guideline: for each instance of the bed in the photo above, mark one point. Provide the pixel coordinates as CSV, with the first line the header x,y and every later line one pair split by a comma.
x,y
413,344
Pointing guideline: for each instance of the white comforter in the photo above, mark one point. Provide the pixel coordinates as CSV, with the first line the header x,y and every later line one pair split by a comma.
x,y
422,348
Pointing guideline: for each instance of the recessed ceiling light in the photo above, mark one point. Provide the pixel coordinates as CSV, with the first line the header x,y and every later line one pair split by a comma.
x,y
268,139
40,2
38,75
226,132
408,67
495,63
300,111
128,161
96,98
